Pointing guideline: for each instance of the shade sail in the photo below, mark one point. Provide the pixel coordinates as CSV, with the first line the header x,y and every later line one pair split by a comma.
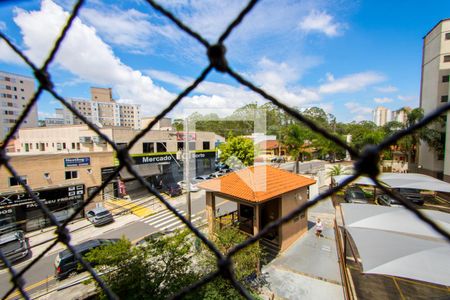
x,y
403,180
393,241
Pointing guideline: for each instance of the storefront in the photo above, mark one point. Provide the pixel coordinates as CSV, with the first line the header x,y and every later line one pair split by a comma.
x,y
20,208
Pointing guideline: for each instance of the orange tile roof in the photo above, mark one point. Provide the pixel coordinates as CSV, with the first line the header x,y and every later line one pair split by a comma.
x,y
257,184
269,144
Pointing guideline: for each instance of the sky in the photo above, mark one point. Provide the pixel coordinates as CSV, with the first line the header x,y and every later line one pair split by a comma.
x,y
345,56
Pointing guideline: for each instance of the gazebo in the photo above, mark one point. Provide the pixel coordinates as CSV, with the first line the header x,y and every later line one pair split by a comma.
x,y
263,194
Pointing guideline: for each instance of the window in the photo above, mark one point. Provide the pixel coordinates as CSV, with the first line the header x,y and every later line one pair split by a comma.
x,y
191,145
31,146
27,149
445,78
64,145
13,181
71,175
206,146
148,147
444,98
78,146
42,146
447,36
446,58
21,81
121,145
161,147
73,145
58,146
180,145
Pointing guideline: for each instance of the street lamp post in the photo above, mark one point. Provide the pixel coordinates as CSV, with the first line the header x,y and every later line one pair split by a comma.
x,y
186,169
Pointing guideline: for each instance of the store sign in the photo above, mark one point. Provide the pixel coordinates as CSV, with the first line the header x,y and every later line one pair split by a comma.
x,y
106,172
77,162
48,197
200,155
153,159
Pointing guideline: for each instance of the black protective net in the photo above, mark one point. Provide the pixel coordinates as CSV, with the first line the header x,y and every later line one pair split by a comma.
x,y
366,160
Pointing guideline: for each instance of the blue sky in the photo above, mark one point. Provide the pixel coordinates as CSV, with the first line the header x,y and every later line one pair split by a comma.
x,y
344,56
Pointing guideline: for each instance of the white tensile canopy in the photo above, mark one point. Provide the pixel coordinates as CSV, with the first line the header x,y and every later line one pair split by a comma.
x,y
393,241
403,180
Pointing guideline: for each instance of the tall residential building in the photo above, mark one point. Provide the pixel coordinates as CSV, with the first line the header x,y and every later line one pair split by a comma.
x,y
401,115
434,93
381,115
15,92
103,110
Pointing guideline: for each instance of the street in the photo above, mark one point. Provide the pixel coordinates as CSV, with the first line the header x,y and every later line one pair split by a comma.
x,y
40,276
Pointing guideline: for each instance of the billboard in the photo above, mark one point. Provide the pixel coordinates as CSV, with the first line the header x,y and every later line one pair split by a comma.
x,y
77,162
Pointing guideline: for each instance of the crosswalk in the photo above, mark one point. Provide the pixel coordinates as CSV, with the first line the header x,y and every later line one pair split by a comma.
x,y
166,220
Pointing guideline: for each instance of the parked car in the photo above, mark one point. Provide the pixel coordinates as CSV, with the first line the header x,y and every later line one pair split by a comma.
x,y
278,160
172,189
215,175
413,195
387,200
65,262
201,178
99,216
221,167
13,245
355,194
193,185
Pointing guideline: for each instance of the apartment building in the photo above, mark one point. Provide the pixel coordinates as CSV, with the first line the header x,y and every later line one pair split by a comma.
x,y
15,92
103,110
381,115
434,92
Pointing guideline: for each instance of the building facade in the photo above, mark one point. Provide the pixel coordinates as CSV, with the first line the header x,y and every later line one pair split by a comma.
x,y
434,93
103,110
15,92
62,181
381,115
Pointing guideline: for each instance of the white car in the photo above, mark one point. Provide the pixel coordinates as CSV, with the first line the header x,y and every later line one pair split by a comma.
x,y
193,185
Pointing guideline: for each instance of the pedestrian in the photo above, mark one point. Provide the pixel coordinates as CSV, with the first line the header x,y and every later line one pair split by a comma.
x,y
319,227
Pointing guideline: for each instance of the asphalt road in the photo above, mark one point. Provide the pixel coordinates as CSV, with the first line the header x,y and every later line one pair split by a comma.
x,y
40,276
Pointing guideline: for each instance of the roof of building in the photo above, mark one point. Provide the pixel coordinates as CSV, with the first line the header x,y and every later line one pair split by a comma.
x,y
257,183
268,145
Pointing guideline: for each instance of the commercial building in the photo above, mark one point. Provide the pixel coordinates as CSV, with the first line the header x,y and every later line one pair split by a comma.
x,y
103,110
62,181
15,92
433,94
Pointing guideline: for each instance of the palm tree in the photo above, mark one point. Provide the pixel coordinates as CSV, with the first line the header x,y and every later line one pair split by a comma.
x,y
337,170
294,138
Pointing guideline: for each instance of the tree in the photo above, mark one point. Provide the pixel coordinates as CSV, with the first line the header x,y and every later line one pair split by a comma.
x,y
157,269
178,124
237,152
245,263
294,139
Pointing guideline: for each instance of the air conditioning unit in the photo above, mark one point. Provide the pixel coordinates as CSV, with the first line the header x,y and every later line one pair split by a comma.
x,y
98,140
85,139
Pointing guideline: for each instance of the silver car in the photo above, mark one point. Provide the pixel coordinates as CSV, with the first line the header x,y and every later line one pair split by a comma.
x,y
13,245
99,216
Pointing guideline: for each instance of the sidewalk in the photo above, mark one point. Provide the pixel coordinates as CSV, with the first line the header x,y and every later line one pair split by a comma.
x,y
309,269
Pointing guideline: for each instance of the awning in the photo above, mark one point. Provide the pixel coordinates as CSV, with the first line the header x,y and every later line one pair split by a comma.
x,y
393,241
143,170
402,180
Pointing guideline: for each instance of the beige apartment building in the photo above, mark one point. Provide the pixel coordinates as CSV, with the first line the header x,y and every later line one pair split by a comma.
x,y
103,110
381,115
15,92
434,93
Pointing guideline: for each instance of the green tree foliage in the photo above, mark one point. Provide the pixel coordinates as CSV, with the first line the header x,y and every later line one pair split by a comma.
x,y
294,138
245,263
151,271
237,152
337,170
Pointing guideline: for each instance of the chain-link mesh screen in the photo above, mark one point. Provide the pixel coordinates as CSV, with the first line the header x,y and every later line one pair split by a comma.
x,y
366,160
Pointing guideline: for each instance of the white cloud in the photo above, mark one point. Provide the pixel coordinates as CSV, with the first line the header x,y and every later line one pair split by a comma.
x,y
2,26
382,100
86,56
357,108
322,22
406,98
350,83
386,89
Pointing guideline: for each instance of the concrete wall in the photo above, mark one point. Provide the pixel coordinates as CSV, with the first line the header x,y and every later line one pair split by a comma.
x,y
295,228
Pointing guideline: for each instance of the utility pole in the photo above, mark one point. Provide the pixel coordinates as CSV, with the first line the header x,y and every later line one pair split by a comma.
x,y
186,169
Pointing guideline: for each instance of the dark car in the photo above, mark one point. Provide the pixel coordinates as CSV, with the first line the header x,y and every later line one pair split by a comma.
x,y
172,189
413,195
355,194
387,200
278,160
65,262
